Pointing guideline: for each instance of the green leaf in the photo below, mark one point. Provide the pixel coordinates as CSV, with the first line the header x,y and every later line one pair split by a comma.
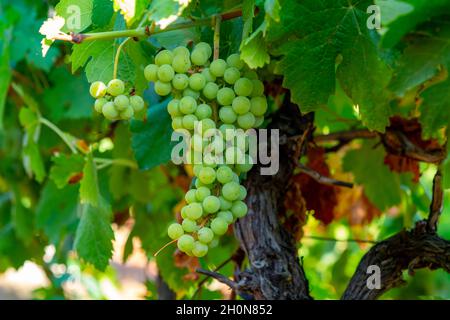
x,y
77,14
381,185
248,9
93,240
151,140
57,211
89,190
65,167
164,12
102,12
5,77
23,221
32,160
446,173
435,108
253,49
313,36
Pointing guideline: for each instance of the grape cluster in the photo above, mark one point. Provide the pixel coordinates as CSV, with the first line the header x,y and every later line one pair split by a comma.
x,y
219,97
113,102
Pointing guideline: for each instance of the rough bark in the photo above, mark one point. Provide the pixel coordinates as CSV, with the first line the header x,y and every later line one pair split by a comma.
x,y
275,271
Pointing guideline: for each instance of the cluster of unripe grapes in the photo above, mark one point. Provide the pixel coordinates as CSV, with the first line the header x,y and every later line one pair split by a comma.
x,y
210,100
114,102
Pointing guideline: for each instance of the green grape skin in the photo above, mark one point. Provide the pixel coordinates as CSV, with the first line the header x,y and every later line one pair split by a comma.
x,y
210,161
231,75
233,155
196,168
109,111
181,63
194,211
137,103
219,226
224,128
234,60
243,87
224,174
199,57
98,89
210,90
242,193
127,114
259,121
187,105
189,225
241,105
225,96
258,88
236,178
205,47
246,121
207,175
250,74
230,191
116,87
205,235
99,103
189,121
226,216
211,204
151,72
180,81
185,243
209,77
203,111
218,67
175,231
224,204
207,124
246,166
121,102
173,108
197,81
183,213
227,115
190,196
181,51
239,209
163,57
166,73
201,193
258,106
163,88
200,249
188,92
177,123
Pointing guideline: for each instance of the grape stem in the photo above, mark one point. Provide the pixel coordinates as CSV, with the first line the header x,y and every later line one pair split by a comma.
x,y
60,133
217,21
103,163
146,31
164,246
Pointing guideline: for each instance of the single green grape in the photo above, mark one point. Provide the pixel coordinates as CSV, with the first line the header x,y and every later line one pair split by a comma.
x,y
210,160
258,106
187,105
246,121
116,87
203,111
234,60
189,121
225,96
227,131
259,121
211,204
219,226
173,108
201,193
239,209
180,81
189,225
194,211
210,90
175,231
258,88
109,111
230,191
197,81
205,235
183,213
242,193
137,103
233,155
243,87
181,51
196,169
218,67
163,57
231,75
181,63
205,47
99,103
127,114
151,72
121,102
188,92
225,204
199,57
190,196
246,166
166,73
177,123
207,175
163,88
241,105
209,77
227,115
227,216
185,243
224,174
98,89
200,249
207,124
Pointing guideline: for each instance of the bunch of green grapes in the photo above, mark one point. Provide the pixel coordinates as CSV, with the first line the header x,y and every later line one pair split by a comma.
x,y
210,96
114,102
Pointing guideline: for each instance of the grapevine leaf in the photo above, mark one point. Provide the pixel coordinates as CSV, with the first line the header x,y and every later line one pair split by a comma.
x,y
94,236
381,186
32,160
253,49
23,220
89,190
248,9
77,14
102,12
65,167
164,12
435,108
151,140
5,77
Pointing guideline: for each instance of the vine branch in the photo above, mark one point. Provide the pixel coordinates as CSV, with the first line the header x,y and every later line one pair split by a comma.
x,y
322,179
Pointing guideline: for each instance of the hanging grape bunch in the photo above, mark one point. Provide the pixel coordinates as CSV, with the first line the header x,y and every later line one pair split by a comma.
x,y
113,102
223,95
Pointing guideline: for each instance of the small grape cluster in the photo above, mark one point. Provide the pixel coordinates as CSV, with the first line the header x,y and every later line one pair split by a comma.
x,y
221,96
113,102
